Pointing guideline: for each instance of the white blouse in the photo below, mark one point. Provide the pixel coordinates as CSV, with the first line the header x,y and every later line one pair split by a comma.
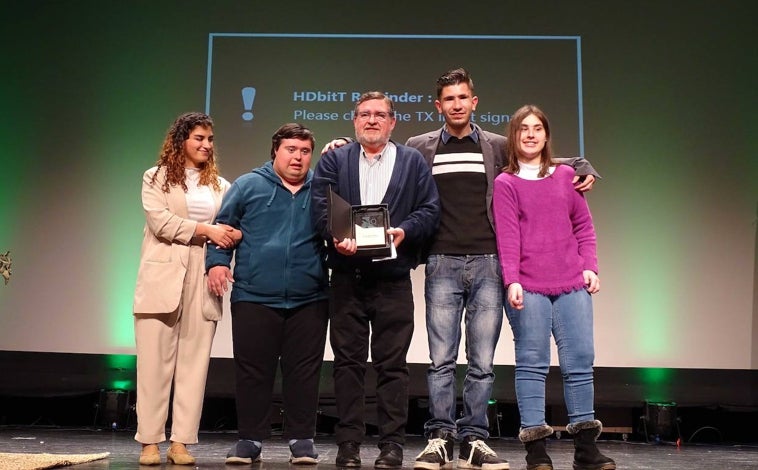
x,y
200,203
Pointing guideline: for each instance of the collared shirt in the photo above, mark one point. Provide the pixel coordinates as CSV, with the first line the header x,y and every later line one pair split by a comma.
x,y
375,174
474,135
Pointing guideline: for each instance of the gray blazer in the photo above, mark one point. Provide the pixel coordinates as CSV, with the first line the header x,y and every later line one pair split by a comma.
x,y
493,152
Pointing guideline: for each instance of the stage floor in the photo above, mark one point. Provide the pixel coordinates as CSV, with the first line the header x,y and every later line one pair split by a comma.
x,y
211,451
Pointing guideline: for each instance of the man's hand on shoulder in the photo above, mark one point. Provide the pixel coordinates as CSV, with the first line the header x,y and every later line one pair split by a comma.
x,y
336,143
583,183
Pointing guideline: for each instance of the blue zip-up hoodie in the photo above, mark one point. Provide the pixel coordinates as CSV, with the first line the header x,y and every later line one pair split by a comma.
x,y
279,262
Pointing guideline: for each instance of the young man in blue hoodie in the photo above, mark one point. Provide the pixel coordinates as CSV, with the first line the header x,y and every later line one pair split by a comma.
x,y
279,300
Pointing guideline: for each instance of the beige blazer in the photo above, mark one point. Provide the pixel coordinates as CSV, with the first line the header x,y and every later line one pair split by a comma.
x,y
166,245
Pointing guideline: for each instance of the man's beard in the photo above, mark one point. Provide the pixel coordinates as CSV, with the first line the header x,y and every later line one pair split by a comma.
x,y
364,139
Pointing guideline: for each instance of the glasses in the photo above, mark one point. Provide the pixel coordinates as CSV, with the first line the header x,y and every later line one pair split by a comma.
x,y
380,116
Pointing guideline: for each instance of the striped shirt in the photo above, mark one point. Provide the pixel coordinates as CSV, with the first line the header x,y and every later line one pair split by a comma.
x,y
458,170
375,174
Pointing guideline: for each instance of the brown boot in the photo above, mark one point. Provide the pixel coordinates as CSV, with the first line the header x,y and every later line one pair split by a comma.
x,y
150,455
535,442
179,455
586,454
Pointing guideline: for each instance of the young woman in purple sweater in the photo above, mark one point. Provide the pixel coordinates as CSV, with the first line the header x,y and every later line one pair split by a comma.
x,y
547,249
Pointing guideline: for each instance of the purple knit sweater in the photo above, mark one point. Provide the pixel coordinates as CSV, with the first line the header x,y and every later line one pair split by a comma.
x,y
545,237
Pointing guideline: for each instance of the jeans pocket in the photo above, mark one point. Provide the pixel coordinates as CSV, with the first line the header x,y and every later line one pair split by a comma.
x,y
432,264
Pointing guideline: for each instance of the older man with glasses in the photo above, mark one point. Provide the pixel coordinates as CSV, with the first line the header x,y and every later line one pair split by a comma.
x,y
371,300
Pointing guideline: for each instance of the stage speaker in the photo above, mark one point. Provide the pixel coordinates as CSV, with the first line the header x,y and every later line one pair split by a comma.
x,y
113,409
660,421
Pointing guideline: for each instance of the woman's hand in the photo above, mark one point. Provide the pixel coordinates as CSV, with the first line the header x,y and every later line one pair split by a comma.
x,y
516,295
591,281
217,234
233,232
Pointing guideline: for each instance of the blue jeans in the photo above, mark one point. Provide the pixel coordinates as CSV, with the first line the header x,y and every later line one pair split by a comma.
x,y
569,318
455,283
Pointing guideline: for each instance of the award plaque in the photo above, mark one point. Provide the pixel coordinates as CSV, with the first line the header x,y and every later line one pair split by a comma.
x,y
367,224
370,225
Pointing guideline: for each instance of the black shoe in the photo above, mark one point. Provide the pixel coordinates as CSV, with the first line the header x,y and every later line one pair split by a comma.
x,y
475,454
535,442
349,455
536,455
586,454
390,456
438,453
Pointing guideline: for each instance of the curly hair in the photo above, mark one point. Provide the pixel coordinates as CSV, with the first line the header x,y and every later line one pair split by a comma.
x,y
172,153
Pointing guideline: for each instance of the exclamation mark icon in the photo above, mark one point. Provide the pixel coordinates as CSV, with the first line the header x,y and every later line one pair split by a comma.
x,y
248,97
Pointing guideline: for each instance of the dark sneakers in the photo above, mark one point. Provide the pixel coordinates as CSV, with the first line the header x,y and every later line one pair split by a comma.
x,y
303,452
438,453
390,456
476,454
243,453
349,455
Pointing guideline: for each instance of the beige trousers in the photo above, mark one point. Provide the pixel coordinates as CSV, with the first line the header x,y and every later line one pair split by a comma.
x,y
174,348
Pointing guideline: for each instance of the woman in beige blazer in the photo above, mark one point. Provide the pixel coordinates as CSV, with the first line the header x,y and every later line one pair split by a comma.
x,y
174,313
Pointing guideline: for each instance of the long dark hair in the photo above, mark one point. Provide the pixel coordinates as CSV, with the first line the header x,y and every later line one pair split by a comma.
x,y
512,132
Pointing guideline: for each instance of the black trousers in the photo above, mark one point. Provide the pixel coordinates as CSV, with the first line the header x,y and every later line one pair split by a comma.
x,y
378,313
265,338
